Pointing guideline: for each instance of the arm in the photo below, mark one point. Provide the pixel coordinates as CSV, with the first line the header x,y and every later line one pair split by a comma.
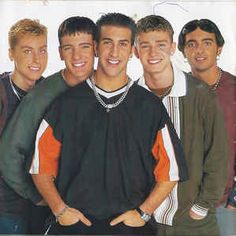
x,y
159,193
44,169
16,143
216,158
47,188
167,173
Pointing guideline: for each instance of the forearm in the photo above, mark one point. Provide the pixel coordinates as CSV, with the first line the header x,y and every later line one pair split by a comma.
x,y
157,196
46,186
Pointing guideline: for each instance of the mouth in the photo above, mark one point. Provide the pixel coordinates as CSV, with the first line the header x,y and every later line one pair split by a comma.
x,y
154,61
113,61
79,65
34,68
200,59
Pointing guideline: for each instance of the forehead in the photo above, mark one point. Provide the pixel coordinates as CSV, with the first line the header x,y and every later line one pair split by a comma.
x,y
77,38
115,33
199,35
154,36
30,40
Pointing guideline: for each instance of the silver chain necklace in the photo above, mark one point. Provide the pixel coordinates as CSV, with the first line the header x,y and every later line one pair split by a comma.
x,y
18,94
110,106
214,87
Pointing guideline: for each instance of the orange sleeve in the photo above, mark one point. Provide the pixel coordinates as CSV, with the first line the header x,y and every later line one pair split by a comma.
x,y
49,152
162,168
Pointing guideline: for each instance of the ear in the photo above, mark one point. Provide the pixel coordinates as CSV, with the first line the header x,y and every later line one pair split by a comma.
x,y
173,48
60,53
219,50
136,52
95,48
11,54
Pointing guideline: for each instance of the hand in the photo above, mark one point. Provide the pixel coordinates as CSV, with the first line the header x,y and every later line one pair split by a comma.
x,y
195,216
231,207
72,216
130,218
41,203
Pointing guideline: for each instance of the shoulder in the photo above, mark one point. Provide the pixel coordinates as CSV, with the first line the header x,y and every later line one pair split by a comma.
x,y
229,77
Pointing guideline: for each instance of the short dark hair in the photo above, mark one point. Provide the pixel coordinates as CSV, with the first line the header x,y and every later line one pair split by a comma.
x,y
153,23
203,24
76,24
116,19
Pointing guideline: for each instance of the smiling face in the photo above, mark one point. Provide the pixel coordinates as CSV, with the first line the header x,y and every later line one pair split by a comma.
x,y
114,50
77,51
30,59
201,50
154,49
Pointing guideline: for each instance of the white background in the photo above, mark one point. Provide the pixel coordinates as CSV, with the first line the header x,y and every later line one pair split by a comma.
x,y
51,13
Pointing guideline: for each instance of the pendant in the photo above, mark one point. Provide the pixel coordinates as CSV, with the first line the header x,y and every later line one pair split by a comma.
x,y
109,107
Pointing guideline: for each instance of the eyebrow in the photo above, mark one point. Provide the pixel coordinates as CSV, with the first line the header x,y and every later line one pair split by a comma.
x,y
83,43
28,47
121,40
156,41
205,39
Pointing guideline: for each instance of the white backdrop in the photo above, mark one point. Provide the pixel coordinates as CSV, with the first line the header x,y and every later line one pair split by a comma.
x,y
51,13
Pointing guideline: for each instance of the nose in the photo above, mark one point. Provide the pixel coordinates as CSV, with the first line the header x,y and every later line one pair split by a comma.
x,y
36,57
114,50
75,53
154,50
200,48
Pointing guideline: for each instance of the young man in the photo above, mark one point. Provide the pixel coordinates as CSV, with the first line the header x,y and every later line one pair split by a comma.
x,y
76,38
28,50
201,42
198,121
101,156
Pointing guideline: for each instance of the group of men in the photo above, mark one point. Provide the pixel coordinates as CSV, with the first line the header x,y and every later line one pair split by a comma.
x,y
106,154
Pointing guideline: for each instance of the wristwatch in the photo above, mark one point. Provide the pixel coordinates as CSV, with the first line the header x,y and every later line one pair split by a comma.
x,y
144,216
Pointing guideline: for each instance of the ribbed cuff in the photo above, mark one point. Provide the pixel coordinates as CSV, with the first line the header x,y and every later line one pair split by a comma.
x,y
201,211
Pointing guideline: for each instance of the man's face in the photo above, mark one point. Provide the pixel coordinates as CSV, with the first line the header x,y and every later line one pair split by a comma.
x,y
114,50
77,51
30,57
154,49
201,50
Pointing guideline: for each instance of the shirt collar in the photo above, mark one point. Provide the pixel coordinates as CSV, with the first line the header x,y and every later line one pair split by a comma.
x,y
179,88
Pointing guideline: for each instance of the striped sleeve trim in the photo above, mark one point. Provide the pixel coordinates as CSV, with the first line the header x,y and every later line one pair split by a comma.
x,y
163,151
165,213
47,151
201,211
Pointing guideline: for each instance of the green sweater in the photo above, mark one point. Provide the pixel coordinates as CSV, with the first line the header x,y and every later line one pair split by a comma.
x,y
17,141
206,149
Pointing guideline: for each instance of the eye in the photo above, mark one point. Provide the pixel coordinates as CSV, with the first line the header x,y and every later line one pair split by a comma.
x,y
43,51
191,45
27,51
86,46
162,45
67,48
123,44
207,43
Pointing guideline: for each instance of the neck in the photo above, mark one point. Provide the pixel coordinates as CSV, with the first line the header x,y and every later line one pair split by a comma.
x,y
209,76
22,83
109,83
160,83
72,80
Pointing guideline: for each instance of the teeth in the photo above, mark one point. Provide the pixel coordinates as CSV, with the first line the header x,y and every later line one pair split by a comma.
x,y
200,58
34,68
114,62
79,64
154,61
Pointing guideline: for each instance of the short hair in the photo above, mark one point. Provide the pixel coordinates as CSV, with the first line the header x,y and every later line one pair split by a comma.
x,y
203,24
116,19
154,23
25,27
76,24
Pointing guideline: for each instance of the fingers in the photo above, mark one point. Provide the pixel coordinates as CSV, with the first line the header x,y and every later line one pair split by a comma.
x,y
85,220
117,220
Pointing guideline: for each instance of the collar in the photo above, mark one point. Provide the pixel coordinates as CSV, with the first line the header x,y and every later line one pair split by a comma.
x,y
179,88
